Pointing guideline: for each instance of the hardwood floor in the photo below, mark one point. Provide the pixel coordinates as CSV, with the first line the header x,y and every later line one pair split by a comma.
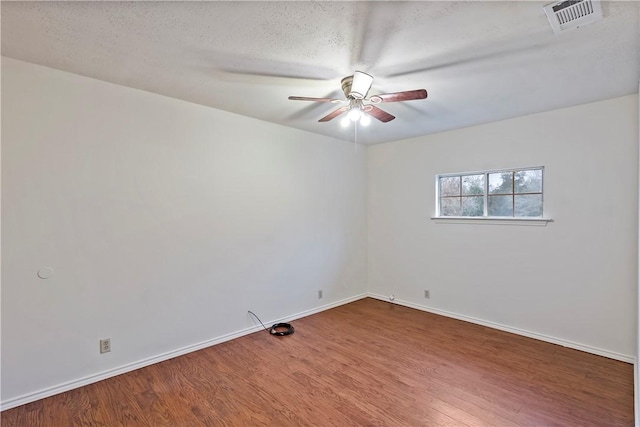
x,y
364,363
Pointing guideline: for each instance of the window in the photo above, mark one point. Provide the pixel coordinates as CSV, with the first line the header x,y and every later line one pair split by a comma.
x,y
514,193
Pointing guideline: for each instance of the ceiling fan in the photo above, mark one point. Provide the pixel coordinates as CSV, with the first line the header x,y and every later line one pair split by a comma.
x,y
360,107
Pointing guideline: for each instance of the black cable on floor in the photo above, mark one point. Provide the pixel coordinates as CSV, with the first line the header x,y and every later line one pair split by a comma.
x,y
279,329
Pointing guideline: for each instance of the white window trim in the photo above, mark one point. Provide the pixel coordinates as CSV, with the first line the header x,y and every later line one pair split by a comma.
x,y
489,220
506,220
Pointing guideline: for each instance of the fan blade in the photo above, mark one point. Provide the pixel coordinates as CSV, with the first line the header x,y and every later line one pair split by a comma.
x,y
333,114
305,98
361,84
408,95
378,113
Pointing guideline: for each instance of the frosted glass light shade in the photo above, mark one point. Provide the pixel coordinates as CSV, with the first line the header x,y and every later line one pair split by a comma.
x,y
361,84
354,114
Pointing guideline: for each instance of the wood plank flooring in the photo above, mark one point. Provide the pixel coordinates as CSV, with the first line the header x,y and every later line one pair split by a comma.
x,y
366,363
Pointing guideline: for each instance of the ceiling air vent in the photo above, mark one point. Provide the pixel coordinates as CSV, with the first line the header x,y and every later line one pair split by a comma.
x,y
570,14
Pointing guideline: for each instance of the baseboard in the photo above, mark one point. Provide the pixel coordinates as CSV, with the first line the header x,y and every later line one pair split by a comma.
x,y
517,331
90,379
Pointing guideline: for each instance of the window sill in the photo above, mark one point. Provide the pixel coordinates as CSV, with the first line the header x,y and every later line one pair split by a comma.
x,y
491,220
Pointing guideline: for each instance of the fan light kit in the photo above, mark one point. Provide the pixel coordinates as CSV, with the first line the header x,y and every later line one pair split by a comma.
x,y
356,115
361,108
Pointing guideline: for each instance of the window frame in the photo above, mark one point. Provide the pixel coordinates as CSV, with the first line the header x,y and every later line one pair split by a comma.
x,y
485,218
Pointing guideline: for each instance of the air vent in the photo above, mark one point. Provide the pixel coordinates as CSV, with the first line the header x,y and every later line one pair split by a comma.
x,y
571,14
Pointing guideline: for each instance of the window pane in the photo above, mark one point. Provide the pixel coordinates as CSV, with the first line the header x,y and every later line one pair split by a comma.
x,y
472,185
501,183
500,206
528,205
450,186
473,206
529,181
450,206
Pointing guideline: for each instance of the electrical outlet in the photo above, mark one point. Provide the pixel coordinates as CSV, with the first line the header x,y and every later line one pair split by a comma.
x,y
320,294
427,294
105,345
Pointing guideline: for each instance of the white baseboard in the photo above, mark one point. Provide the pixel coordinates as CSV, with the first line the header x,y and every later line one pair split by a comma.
x,y
90,379
517,331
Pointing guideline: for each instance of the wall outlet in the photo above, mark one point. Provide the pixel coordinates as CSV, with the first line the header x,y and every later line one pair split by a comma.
x,y
105,345
320,294
427,294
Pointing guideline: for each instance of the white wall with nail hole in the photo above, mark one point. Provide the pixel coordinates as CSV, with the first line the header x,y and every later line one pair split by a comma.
x,y
158,223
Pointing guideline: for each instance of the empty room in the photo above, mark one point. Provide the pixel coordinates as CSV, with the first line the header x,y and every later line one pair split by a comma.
x,y
320,213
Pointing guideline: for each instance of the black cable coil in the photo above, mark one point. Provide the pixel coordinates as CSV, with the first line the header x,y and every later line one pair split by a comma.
x,y
279,329
282,329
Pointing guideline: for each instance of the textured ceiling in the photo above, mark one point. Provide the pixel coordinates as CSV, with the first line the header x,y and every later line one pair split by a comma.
x,y
479,61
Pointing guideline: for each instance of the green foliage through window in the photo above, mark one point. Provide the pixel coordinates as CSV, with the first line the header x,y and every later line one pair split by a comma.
x,y
507,193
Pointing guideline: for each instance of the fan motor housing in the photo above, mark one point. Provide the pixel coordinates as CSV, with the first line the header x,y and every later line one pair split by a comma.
x,y
346,86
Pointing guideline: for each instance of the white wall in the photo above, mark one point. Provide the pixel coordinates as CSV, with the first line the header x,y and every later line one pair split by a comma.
x,y
636,371
573,281
164,222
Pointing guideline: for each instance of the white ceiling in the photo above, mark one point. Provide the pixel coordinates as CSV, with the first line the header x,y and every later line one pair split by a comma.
x,y
479,61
